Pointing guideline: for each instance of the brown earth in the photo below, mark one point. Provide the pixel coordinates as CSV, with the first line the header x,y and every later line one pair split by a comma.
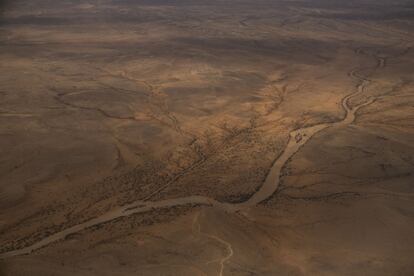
x,y
107,103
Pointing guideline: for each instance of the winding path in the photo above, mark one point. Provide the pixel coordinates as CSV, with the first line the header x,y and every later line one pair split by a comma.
x,y
298,138
221,261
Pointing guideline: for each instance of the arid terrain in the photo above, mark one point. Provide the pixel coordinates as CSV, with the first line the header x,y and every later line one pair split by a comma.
x,y
195,137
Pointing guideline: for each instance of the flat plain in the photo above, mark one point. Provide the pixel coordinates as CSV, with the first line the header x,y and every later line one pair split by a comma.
x,y
221,137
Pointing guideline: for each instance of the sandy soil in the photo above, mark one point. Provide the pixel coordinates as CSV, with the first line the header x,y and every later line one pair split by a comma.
x,y
206,138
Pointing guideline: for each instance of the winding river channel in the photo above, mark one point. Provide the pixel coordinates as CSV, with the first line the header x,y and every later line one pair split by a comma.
x,y
298,138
